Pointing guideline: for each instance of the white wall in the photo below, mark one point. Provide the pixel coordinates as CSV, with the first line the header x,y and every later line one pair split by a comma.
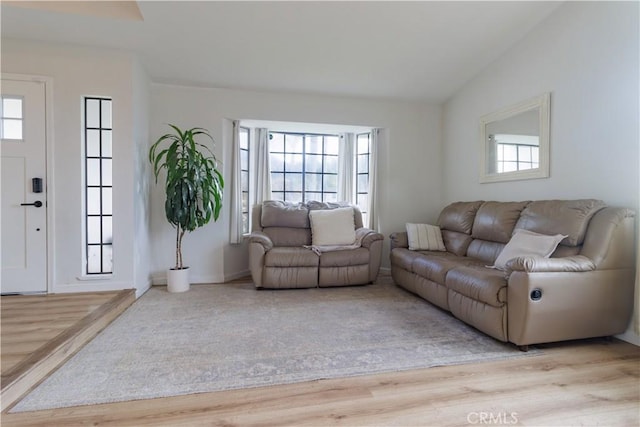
x,y
586,54
409,162
78,72
142,181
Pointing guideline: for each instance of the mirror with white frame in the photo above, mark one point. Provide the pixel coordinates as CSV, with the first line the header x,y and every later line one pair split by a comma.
x,y
515,142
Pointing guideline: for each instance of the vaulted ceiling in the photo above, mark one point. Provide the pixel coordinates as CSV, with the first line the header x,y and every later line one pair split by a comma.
x,y
418,50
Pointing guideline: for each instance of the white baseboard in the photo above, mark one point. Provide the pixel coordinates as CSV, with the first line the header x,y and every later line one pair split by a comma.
x,y
91,287
161,279
630,337
238,275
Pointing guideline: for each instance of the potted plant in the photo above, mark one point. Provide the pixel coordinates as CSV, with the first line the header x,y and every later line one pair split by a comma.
x,y
193,189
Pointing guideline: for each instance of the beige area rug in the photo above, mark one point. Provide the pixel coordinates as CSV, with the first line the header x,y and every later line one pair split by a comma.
x,y
220,337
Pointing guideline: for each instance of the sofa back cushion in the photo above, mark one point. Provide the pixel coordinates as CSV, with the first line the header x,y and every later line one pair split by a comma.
x,y
357,214
570,217
459,216
495,221
277,213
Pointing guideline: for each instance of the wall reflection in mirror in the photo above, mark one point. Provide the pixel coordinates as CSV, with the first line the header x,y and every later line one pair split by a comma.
x,y
515,142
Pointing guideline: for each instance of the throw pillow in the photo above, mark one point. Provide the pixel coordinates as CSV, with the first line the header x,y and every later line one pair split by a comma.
x,y
332,227
425,237
526,243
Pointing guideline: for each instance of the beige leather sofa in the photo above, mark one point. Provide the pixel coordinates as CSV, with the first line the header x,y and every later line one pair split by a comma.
x,y
278,257
585,289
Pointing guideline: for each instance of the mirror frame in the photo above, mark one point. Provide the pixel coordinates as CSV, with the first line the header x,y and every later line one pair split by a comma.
x,y
543,103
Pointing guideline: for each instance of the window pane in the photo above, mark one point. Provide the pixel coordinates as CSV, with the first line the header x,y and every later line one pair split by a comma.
x,y
524,166
244,138
330,164
245,202
93,143
362,201
313,196
363,183
510,166
93,172
510,152
93,113
11,129
106,201
331,145
107,258
276,162
363,143
314,163
293,143
107,231
244,180
93,201
330,197
313,144
106,114
293,182
106,144
313,182
534,155
524,154
277,195
294,197
106,172
363,163
244,160
277,181
93,229
293,162
93,259
276,144
245,222
330,183
12,108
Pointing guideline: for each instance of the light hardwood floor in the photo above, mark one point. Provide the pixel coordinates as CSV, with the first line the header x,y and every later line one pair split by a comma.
x,y
591,382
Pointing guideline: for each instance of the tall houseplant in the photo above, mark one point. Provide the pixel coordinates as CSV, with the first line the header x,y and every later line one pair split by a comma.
x,y
193,189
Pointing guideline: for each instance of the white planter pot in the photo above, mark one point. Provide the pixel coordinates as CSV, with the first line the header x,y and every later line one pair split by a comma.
x,y
178,280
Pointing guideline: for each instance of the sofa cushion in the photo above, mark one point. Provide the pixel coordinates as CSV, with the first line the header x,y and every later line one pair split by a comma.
x,y
403,258
479,283
276,213
344,258
316,205
288,236
459,216
332,226
570,217
425,237
456,242
495,221
435,265
485,250
528,244
290,257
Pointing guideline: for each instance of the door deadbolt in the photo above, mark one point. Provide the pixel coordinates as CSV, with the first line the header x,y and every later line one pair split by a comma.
x,y
37,204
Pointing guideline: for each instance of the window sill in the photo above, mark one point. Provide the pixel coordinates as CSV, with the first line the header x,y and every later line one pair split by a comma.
x,y
95,277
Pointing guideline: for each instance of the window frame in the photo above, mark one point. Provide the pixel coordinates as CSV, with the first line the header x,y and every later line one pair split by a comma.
x,y
101,186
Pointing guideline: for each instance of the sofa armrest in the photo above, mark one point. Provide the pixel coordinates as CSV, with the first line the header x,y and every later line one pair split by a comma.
x,y
399,239
367,236
260,238
575,263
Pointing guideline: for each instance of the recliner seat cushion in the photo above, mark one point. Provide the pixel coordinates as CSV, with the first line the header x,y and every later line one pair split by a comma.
x,y
479,283
291,257
345,258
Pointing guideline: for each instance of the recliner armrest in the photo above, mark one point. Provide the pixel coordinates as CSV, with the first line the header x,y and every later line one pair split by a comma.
x,y
368,236
262,239
575,263
399,239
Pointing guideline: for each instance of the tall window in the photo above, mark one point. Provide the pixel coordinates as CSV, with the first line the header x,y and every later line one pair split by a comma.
x,y
244,176
98,185
363,147
304,167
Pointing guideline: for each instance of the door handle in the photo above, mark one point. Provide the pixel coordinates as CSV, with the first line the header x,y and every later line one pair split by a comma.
x,y
37,204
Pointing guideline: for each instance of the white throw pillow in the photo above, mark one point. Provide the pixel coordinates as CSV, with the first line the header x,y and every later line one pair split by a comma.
x,y
425,237
526,243
332,226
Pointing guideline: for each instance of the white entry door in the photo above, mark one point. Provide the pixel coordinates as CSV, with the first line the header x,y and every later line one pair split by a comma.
x,y
24,200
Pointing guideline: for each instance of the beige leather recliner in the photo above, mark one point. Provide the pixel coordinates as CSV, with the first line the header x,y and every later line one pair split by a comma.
x,y
278,257
585,289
